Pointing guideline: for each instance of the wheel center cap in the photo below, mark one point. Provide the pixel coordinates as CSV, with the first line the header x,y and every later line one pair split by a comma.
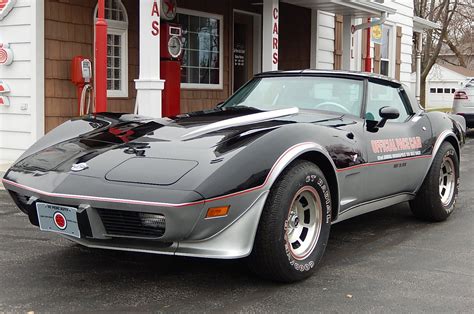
x,y
294,221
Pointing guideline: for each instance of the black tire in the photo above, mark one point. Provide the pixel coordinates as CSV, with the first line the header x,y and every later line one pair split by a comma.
x,y
272,257
428,204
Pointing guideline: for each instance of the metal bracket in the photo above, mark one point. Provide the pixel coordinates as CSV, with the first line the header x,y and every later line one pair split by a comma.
x,y
380,21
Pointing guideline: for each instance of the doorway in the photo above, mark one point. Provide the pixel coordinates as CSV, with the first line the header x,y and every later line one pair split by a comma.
x,y
246,53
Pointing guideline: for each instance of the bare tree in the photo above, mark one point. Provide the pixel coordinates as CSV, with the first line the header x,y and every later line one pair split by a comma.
x,y
460,36
441,12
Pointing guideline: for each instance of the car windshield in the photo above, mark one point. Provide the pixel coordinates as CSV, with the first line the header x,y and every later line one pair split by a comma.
x,y
320,93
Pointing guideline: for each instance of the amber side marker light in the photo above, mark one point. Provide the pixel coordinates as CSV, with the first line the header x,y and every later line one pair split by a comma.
x,y
215,212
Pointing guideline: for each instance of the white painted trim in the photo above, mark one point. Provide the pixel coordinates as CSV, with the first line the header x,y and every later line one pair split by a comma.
x,y
123,92
37,63
267,34
257,43
219,86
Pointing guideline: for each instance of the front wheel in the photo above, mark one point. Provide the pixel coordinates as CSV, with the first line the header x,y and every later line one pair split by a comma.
x,y
294,227
436,198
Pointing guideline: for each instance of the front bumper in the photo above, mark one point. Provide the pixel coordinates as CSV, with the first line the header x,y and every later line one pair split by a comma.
x,y
187,231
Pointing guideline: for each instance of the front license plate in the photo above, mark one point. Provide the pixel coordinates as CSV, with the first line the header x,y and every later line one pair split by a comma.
x,y
60,219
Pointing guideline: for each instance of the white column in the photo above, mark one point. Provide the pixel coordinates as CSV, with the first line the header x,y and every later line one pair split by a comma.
x,y
149,85
347,43
270,41
418,66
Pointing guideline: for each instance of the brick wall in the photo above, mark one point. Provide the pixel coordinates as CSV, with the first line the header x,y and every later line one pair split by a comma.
x,y
69,31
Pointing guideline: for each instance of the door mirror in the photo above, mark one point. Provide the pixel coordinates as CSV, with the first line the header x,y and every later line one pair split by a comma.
x,y
387,113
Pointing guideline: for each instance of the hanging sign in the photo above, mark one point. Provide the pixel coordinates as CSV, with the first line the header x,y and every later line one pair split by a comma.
x,y
376,34
6,54
5,7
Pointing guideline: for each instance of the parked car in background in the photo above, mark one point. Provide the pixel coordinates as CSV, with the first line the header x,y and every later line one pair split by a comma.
x,y
463,103
264,175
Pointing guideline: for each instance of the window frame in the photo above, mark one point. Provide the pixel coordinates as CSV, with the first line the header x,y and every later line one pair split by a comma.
x,y
119,28
220,18
401,93
391,51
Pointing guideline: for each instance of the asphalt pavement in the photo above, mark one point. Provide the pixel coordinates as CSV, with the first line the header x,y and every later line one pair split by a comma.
x,y
379,262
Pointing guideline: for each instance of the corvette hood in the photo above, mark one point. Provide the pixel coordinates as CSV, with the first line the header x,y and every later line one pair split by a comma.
x,y
120,147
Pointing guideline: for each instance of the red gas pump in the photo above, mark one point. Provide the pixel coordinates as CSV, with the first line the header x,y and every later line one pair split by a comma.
x,y
81,76
170,67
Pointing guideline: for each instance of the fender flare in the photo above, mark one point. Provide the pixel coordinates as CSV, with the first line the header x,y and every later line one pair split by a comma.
x,y
294,153
443,137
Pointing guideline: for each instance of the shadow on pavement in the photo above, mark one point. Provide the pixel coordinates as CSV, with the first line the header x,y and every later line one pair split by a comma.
x,y
350,239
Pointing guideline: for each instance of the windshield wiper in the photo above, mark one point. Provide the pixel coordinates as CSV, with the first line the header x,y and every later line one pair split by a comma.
x,y
331,119
243,107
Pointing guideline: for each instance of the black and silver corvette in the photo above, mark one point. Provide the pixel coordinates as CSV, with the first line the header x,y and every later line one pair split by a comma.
x,y
262,176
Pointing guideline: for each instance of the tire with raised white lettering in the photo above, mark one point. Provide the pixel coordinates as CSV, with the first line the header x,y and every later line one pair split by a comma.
x,y
294,226
436,199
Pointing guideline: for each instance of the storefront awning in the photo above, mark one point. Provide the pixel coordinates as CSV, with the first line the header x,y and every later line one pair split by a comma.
x,y
356,8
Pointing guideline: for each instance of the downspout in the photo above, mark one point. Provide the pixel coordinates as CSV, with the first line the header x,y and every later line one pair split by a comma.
x,y
101,59
368,25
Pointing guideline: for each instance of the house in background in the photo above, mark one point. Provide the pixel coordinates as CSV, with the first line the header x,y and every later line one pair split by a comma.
x,y
467,50
226,42
442,81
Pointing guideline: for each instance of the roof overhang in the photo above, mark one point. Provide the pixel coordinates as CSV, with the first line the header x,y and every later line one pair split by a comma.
x,y
355,8
421,24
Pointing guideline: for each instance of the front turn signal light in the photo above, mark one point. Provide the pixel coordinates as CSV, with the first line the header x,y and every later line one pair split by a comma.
x,y
215,212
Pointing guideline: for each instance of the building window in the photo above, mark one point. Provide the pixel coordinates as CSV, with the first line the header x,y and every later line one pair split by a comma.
x,y
433,90
385,50
453,90
117,48
447,91
439,90
203,49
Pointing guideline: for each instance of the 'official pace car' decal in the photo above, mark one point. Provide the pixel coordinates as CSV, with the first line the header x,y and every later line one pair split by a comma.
x,y
397,147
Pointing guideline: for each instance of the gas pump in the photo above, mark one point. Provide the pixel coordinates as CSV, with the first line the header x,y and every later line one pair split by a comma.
x,y
170,67
81,75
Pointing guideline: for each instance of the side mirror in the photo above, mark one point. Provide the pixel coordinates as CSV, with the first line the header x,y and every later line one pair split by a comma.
x,y
387,113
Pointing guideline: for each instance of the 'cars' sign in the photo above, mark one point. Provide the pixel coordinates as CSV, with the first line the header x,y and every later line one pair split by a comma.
x,y
5,7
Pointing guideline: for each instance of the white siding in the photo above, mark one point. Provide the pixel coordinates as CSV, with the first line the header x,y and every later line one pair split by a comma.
x,y
22,123
324,56
403,18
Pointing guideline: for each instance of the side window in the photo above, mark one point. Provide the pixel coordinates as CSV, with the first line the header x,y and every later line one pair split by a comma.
x,y
379,96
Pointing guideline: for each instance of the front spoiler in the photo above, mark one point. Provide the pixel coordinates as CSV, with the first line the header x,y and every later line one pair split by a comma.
x,y
235,241
188,232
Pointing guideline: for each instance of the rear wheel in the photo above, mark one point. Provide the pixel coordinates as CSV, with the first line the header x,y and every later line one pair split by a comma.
x,y
294,227
436,198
